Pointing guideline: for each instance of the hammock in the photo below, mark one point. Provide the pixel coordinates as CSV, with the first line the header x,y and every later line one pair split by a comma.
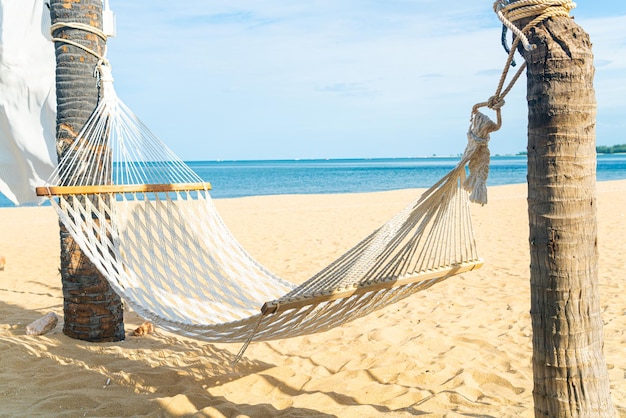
x,y
147,222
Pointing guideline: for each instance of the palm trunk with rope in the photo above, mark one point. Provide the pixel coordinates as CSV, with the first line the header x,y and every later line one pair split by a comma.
x,y
92,310
569,370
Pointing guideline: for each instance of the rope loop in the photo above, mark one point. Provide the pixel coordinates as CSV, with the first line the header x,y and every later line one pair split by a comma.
x,y
84,27
80,26
510,12
102,70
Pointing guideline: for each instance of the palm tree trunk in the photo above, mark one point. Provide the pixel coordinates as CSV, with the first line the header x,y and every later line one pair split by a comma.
x,y
570,373
92,310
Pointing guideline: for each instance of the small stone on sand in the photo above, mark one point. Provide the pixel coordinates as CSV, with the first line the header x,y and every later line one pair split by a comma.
x,y
144,329
42,325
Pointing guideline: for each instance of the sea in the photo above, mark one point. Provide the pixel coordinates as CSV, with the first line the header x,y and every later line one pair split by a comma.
x,y
230,179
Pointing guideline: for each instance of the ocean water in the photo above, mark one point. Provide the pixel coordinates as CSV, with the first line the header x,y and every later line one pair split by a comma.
x,y
271,177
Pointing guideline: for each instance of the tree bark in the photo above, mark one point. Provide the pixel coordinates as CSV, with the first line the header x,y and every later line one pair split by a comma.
x,y
569,369
92,310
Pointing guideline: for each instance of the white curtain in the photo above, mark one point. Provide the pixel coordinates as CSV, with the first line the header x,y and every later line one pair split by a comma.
x,y
27,99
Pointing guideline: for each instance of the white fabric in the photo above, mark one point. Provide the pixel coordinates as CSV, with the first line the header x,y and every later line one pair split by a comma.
x,y
27,99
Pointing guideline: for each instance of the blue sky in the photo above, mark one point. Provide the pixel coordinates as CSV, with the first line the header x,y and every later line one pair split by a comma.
x,y
263,79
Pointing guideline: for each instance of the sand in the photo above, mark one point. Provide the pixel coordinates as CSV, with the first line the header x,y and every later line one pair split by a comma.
x,y
461,348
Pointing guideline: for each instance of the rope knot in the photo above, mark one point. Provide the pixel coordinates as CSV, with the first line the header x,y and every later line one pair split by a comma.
x,y
478,156
495,102
103,73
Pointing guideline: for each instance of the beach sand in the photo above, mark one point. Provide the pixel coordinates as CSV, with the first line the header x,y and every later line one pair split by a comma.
x,y
460,348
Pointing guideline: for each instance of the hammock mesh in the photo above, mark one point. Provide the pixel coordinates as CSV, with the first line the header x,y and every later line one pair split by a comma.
x,y
147,222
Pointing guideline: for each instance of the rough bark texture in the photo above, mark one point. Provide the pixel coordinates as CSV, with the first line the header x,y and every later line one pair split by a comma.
x,y
93,312
570,373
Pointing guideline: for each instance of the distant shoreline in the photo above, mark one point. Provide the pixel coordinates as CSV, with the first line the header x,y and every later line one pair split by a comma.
x,y
231,179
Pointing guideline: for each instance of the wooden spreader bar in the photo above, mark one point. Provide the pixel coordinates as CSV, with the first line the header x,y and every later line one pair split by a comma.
x,y
442,273
120,188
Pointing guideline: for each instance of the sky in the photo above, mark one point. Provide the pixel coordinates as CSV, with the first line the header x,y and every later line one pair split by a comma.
x,y
269,79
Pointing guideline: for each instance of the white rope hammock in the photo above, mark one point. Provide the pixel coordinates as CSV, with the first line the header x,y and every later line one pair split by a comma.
x,y
147,222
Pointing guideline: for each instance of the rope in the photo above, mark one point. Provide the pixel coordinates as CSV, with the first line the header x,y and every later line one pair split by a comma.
x,y
86,28
477,152
510,12
504,45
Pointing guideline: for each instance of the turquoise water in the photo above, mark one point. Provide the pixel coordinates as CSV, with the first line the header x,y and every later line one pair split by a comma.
x,y
253,178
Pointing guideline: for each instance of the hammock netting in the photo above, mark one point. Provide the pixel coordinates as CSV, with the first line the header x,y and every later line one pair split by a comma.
x,y
148,223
